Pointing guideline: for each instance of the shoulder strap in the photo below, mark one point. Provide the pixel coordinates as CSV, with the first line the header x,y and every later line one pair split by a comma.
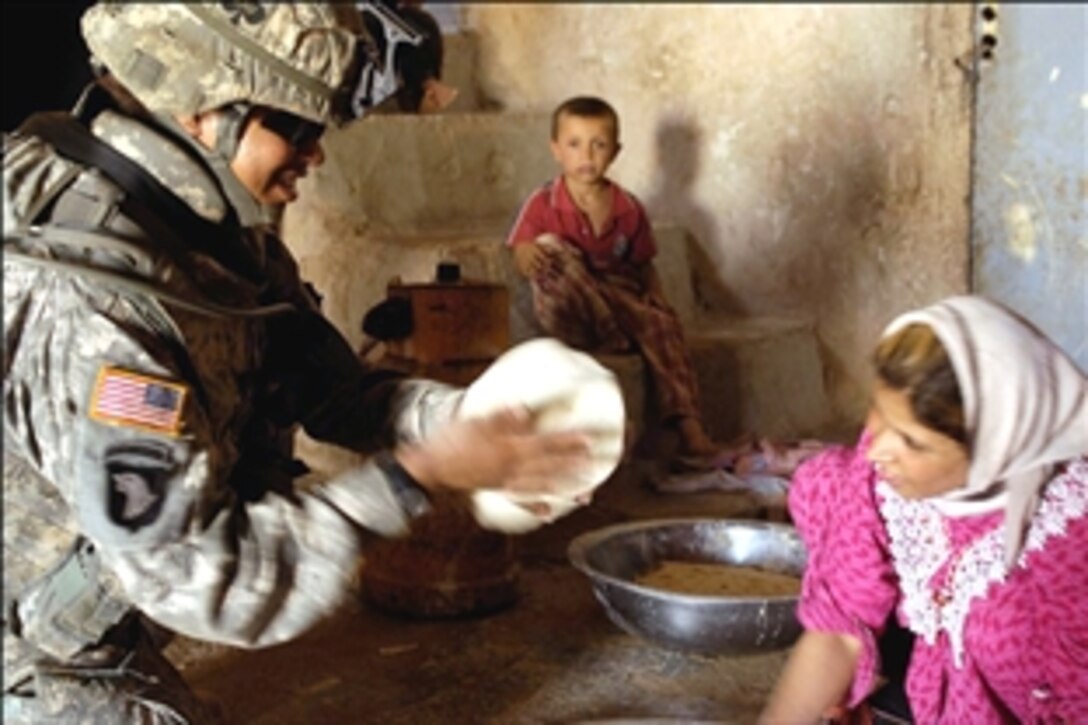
x,y
147,202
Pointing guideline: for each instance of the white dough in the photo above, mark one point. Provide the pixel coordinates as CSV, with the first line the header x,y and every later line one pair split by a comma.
x,y
565,390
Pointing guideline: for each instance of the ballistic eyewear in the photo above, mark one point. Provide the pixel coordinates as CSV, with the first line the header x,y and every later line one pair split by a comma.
x,y
295,130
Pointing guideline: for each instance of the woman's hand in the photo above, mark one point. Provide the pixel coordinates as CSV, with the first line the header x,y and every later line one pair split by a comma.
x,y
816,678
498,451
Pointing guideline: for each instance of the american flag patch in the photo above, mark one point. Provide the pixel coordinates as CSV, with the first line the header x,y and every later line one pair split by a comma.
x,y
129,399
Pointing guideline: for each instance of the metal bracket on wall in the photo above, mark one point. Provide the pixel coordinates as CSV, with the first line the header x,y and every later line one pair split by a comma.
x,y
982,51
987,33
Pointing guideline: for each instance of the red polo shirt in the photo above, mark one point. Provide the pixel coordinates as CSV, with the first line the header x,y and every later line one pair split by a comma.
x,y
625,238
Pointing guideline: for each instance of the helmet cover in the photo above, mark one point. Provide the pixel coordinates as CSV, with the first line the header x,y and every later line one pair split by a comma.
x,y
187,58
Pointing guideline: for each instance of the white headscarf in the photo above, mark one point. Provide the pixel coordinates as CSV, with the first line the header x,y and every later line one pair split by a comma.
x,y
1025,406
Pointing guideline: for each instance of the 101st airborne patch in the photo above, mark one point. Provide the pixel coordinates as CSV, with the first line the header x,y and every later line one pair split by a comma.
x,y
132,400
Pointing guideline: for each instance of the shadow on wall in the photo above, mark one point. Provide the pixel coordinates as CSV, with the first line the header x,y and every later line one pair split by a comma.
x,y
827,235
836,243
677,152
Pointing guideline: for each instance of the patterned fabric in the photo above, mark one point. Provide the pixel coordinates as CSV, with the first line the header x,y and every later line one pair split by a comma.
x,y
1017,432
922,547
849,585
626,240
174,564
594,297
607,313
107,686
990,649
204,533
192,58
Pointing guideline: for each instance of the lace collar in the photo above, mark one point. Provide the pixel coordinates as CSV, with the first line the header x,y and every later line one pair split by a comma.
x,y
920,546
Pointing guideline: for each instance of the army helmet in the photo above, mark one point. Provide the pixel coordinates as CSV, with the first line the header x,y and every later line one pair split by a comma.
x,y
187,58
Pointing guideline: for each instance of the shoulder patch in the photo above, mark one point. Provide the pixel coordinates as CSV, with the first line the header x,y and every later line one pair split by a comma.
x,y
132,400
139,473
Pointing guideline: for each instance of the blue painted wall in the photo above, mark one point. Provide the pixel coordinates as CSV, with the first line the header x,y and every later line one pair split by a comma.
x,y
1030,205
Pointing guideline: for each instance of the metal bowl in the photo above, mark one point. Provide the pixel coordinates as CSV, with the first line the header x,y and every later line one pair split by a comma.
x,y
615,556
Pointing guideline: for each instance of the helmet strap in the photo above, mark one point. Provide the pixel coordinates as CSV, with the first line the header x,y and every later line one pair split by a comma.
x,y
250,212
230,124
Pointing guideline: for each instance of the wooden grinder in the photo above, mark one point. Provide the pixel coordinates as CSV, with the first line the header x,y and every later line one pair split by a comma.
x,y
448,566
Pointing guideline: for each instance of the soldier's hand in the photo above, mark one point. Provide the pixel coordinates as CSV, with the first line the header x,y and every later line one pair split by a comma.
x,y
499,451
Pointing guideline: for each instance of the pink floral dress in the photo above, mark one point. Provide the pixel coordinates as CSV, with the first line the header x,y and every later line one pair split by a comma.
x,y
989,647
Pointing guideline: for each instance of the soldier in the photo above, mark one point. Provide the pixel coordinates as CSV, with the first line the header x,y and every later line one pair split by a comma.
x,y
160,347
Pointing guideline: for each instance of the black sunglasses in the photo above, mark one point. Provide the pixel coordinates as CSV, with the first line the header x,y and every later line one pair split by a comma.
x,y
293,129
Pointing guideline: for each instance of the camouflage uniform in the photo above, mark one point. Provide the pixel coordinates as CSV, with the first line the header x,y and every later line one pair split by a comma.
x,y
148,396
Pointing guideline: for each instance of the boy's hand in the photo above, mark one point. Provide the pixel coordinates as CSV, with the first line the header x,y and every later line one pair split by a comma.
x,y
532,259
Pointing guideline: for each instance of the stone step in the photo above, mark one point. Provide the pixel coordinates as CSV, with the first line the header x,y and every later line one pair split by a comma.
x,y
326,254
757,375
400,193
760,375
352,271
446,174
459,71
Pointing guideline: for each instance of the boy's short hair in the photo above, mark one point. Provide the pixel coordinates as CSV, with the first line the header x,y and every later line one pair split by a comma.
x,y
586,107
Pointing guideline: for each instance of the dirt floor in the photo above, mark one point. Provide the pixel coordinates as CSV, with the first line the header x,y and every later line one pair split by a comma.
x,y
553,656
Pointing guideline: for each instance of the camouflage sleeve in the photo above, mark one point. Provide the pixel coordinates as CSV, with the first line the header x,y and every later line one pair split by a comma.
x,y
327,380
102,411
420,407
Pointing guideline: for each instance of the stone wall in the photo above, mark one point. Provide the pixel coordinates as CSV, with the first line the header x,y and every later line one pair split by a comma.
x,y
817,157
819,154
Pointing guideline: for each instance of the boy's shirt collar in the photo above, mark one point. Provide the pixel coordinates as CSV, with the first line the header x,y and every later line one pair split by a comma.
x,y
626,238
563,202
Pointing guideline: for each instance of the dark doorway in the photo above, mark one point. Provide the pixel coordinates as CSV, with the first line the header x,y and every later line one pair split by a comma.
x,y
45,58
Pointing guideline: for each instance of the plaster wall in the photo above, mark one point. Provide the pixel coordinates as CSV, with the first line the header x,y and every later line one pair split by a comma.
x,y
818,154
815,159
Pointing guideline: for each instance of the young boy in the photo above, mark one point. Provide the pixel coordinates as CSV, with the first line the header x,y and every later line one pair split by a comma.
x,y
586,247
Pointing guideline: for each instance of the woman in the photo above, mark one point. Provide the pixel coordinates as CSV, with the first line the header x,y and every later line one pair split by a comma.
x,y
964,509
